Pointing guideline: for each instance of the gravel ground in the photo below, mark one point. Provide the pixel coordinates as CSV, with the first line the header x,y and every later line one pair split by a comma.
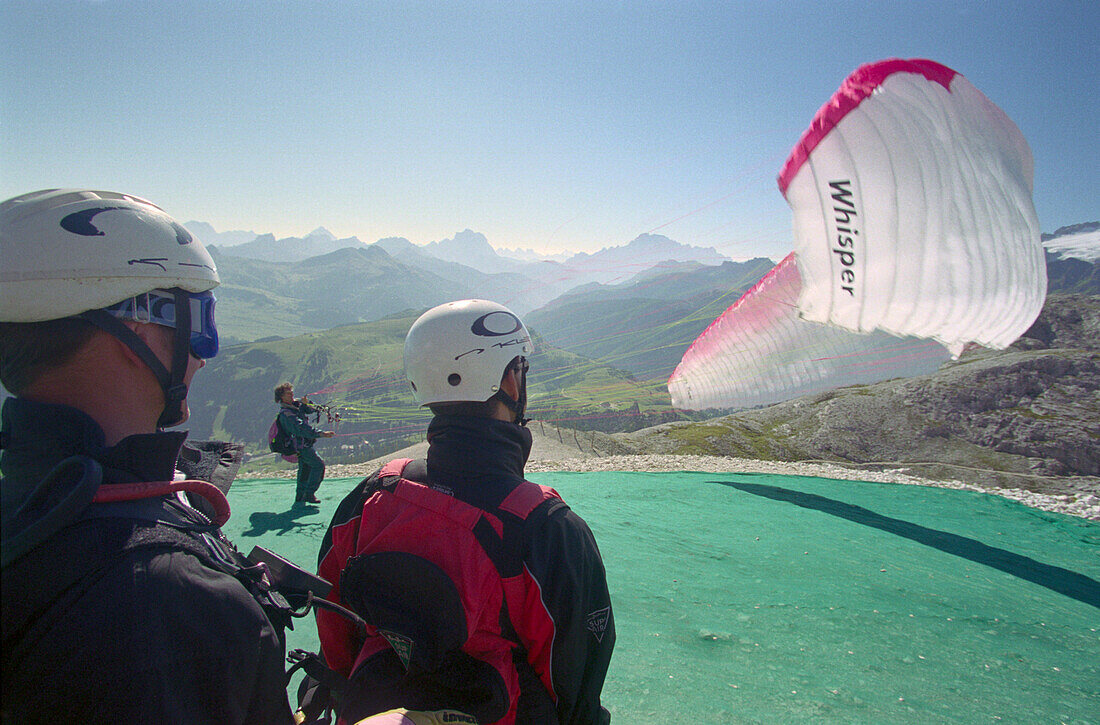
x,y
1076,503
551,454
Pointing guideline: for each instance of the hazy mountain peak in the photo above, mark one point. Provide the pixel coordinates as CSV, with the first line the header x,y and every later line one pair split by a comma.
x,y
660,244
347,254
321,233
469,240
206,233
530,255
395,245
652,240
616,264
470,248
200,229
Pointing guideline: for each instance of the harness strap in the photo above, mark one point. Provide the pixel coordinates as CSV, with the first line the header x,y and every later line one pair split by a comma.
x,y
63,496
498,531
394,468
115,492
91,547
69,488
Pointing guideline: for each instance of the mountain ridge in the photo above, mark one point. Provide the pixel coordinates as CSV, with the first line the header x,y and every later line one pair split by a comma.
x,y
1028,416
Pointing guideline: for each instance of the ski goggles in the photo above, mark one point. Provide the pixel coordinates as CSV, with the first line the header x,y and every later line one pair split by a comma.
x,y
159,307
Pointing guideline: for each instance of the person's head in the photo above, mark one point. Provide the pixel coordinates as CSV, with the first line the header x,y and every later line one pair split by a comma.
x,y
87,272
469,358
284,393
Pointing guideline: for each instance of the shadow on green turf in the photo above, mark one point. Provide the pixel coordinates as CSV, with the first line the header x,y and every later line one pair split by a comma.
x,y
1055,578
263,522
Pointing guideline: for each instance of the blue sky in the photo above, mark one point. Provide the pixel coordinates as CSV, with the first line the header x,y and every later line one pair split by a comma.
x,y
543,125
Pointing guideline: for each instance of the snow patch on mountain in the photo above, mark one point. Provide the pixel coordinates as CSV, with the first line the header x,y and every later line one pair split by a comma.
x,y
1081,241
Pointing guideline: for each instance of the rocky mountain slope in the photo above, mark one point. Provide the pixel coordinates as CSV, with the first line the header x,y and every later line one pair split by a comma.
x,y
1027,417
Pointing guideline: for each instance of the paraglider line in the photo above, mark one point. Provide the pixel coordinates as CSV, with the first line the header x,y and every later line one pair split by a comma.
x,y
685,215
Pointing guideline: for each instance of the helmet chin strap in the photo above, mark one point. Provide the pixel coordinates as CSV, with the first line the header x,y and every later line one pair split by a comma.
x,y
175,394
171,381
518,407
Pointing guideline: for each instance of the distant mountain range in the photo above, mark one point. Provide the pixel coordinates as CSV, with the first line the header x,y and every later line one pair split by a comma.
x,y
259,299
291,249
282,287
470,249
610,326
611,264
209,236
637,306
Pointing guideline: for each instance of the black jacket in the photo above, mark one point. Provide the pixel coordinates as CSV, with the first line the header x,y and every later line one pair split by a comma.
x,y
121,615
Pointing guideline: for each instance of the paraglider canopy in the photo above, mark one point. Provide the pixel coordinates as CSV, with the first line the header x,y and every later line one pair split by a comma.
x,y
913,220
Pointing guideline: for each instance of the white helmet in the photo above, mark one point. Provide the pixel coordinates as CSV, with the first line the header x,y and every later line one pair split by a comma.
x,y
458,351
65,251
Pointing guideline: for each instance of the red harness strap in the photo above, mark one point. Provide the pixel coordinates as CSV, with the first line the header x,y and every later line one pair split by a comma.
x,y
471,549
114,492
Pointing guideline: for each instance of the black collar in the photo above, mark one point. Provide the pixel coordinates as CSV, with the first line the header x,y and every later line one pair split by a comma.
x,y
468,454
38,436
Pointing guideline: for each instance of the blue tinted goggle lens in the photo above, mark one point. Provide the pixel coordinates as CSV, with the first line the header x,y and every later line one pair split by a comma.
x,y
160,308
204,334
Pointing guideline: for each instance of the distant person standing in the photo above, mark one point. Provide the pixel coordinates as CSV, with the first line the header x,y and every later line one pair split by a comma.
x,y
293,419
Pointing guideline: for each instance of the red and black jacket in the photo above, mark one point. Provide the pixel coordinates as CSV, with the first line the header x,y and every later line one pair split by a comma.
x,y
483,592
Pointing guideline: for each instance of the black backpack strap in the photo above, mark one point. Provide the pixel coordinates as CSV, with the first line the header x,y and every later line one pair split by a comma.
x,y
77,557
506,550
56,501
416,470
320,691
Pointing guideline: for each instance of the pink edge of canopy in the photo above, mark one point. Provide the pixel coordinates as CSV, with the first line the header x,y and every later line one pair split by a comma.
x,y
774,272
856,87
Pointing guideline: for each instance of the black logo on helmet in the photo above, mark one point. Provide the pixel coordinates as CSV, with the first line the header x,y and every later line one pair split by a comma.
x,y
80,222
157,261
496,324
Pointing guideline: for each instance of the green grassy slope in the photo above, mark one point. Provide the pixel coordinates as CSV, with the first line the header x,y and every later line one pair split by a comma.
x,y
645,325
358,368
262,299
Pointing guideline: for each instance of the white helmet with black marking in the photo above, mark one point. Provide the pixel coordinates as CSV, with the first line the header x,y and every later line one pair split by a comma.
x,y
458,351
106,257
65,251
